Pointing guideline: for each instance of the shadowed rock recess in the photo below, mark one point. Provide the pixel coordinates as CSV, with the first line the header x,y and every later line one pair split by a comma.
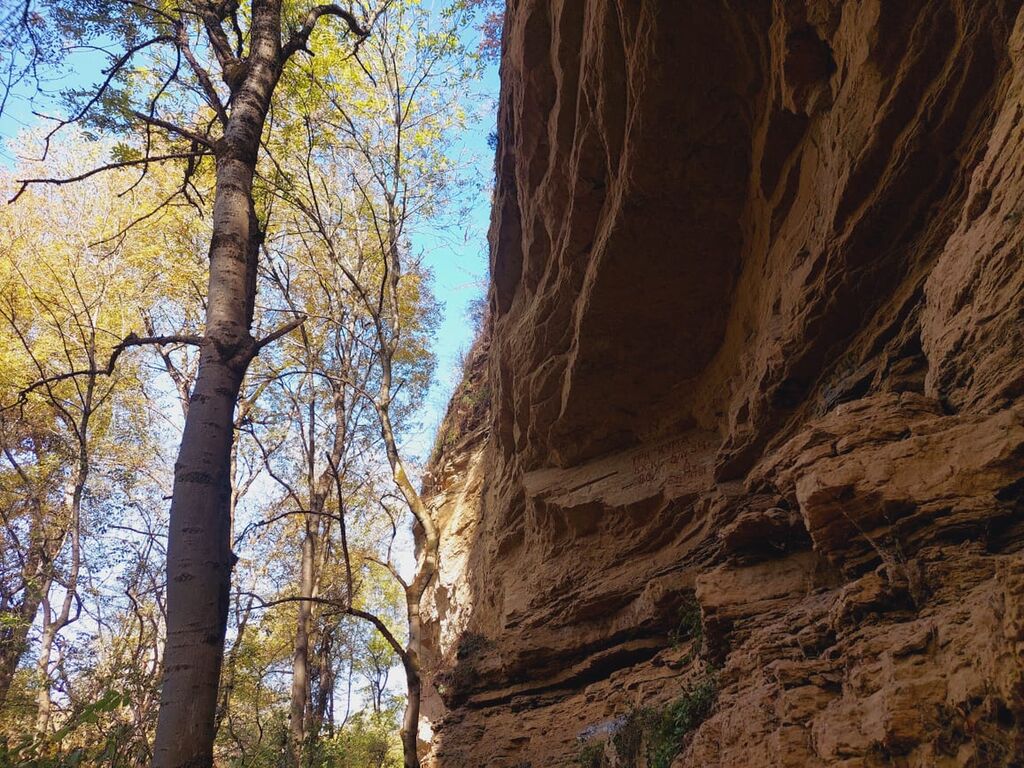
x,y
736,475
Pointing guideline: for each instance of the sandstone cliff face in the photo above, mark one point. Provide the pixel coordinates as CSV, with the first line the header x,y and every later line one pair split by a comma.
x,y
756,379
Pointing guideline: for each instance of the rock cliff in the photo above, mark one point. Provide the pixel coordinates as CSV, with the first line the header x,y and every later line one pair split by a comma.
x,y
737,476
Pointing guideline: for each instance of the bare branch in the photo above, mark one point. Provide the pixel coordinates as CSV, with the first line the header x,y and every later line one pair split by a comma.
x,y
131,340
204,77
273,336
110,73
271,520
300,37
172,128
391,569
100,169
388,635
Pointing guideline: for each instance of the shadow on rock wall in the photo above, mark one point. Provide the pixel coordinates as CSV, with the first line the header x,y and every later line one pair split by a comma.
x,y
754,356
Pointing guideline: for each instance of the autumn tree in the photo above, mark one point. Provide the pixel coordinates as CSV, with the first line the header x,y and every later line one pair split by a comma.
x,y
491,25
70,284
202,77
386,144
293,357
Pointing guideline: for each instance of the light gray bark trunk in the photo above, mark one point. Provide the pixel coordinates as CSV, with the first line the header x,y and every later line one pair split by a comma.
x,y
411,719
199,562
426,565
52,625
300,653
199,557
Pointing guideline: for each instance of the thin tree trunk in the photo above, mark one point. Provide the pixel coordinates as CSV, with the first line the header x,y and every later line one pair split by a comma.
x,y
411,720
52,626
425,570
321,710
43,672
228,686
301,715
300,653
348,688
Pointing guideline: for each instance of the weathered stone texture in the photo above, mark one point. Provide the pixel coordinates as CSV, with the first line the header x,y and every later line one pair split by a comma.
x,y
756,340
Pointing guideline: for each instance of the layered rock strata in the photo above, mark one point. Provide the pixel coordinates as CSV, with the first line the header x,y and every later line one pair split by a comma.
x,y
750,413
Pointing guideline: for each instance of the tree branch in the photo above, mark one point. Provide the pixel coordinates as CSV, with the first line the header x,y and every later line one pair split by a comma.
x,y
273,336
299,37
203,76
172,128
131,340
391,569
100,169
110,73
365,615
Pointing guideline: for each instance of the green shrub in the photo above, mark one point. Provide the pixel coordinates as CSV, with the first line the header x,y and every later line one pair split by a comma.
x,y
666,732
688,623
591,755
658,733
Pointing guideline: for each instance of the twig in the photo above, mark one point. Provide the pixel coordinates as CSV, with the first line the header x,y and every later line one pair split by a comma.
x,y
131,340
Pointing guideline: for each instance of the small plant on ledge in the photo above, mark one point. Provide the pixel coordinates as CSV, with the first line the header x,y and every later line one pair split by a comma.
x,y
658,734
688,624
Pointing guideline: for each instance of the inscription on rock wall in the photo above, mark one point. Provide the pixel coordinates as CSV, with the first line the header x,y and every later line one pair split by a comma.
x,y
684,461
674,467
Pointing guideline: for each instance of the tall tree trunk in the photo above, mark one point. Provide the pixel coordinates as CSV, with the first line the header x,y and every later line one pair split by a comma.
x,y
199,556
300,653
411,720
199,562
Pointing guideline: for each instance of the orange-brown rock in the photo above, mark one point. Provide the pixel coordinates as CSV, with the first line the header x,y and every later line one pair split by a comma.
x,y
755,374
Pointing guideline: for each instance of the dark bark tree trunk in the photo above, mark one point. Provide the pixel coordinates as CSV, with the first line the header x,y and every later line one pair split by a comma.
x,y
14,639
322,712
37,574
14,635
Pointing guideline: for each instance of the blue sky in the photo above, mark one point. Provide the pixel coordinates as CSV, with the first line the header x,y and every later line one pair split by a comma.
x,y
456,251
458,256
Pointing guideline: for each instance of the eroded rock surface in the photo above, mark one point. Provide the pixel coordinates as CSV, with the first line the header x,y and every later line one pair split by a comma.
x,y
755,374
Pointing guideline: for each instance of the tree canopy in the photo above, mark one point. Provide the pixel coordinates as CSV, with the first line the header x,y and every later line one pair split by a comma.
x,y
214,247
